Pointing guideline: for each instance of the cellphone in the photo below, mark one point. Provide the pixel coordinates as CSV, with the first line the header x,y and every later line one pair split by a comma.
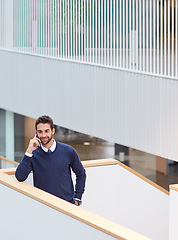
x,y
37,135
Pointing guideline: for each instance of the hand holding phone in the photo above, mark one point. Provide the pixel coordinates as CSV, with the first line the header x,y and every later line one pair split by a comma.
x,y
33,144
37,144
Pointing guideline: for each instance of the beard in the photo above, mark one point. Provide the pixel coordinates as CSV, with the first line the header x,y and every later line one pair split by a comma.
x,y
48,140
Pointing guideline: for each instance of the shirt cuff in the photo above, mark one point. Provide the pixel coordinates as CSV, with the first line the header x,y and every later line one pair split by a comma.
x,y
78,196
77,199
28,154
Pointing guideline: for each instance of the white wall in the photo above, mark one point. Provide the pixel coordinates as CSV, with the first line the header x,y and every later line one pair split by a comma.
x,y
120,196
131,109
26,218
173,215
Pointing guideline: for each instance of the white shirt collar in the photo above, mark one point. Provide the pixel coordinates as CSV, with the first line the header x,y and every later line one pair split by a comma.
x,y
52,148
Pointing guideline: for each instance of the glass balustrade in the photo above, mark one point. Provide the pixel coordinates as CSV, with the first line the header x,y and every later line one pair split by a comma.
x,y
136,35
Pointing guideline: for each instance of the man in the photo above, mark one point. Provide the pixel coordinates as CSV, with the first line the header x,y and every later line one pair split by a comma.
x,y
51,163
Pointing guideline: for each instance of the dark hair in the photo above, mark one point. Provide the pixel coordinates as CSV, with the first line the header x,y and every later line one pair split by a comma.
x,y
44,119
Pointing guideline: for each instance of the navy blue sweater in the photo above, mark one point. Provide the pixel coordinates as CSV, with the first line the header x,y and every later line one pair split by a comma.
x,y
52,171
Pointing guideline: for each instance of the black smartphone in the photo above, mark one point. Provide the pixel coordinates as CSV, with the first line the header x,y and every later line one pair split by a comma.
x,y
37,135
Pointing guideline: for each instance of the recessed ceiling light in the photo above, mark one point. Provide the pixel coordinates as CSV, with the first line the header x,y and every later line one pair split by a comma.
x,y
91,137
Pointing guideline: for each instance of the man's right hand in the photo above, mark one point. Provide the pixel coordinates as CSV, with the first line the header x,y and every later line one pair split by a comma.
x,y
33,144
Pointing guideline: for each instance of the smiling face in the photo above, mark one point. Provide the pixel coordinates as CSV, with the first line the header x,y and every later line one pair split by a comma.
x,y
45,134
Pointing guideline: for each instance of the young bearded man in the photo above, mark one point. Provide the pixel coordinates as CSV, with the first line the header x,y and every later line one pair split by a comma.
x,y
51,163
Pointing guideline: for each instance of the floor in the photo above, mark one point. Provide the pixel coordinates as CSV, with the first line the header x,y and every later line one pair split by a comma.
x,y
90,148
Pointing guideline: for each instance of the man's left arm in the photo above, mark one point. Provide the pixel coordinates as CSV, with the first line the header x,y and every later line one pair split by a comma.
x,y
79,171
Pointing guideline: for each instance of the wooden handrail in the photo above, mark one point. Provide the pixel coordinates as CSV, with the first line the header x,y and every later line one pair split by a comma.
x,y
103,162
110,161
8,171
99,162
7,160
144,178
174,187
115,230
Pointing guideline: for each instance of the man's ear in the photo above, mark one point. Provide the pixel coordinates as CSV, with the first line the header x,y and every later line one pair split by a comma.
x,y
53,131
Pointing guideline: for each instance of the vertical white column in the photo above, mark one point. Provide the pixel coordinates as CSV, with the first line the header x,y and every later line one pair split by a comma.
x,y
93,31
156,34
9,133
74,29
38,4
105,32
176,37
76,22
43,36
140,34
143,35
41,28
161,38
158,31
26,28
137,32
47,27
117,31
61,29
8,22
165,38
96,32
120,65
58,31
123,24
65,28
85,31
130,32
31,34
53,27
154,38
34,28
99,33
173,38
133,35
168,37
87,24
19,25
151,25
82,28
68,32
1,22
147,37
108,7
79,28
102,28
127,17
71,30
46,13
111,31
55,23
90,27
114,31
38,7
